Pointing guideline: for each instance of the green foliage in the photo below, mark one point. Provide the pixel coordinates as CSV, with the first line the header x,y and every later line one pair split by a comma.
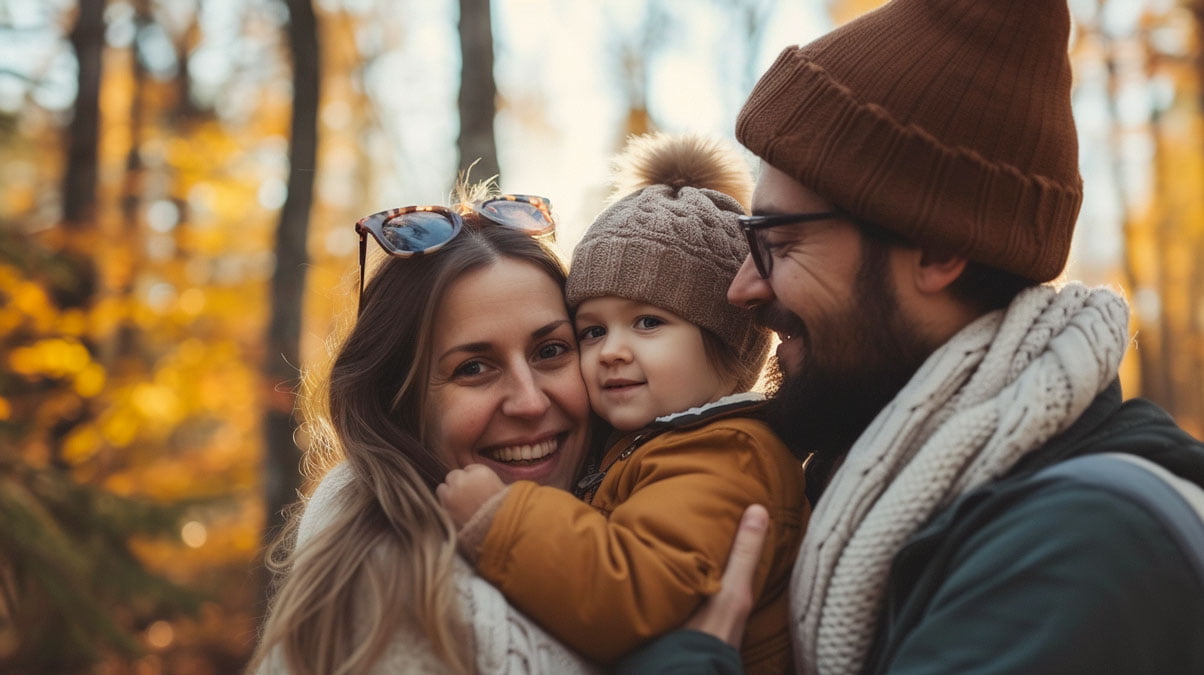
x,y
73,590
77,587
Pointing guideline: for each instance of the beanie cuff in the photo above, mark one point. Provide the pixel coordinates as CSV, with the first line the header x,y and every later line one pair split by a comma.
x,y
805,123
643,272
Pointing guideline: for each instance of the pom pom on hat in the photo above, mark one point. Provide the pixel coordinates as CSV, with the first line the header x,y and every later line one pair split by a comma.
x,y
684,160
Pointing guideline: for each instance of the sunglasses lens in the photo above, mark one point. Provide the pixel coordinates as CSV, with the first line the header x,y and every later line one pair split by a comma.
x,y
418,231
519,215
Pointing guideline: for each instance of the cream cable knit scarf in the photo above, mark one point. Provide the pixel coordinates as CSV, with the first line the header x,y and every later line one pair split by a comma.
x,y
999,389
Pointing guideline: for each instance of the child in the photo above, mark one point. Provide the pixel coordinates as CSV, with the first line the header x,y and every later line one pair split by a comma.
x,y
664,357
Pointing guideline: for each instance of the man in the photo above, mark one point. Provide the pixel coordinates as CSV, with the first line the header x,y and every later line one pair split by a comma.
x,y
989,503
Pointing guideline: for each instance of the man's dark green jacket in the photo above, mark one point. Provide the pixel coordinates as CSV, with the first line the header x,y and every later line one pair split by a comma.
x,y
1043,571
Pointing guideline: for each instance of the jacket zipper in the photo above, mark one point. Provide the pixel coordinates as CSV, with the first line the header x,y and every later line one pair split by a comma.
x,y
590,482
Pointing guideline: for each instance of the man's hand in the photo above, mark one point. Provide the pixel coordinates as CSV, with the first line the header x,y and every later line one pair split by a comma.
x,y
463,491
725,613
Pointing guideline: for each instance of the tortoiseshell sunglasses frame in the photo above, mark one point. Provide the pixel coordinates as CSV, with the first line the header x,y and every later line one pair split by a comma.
x,y
374,224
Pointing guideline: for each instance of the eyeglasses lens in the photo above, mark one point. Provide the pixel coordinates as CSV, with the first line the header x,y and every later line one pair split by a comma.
x,y
760,251
418,231
519,215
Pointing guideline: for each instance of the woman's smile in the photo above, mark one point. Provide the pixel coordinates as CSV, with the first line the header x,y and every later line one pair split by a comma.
x,y
524,452
506,386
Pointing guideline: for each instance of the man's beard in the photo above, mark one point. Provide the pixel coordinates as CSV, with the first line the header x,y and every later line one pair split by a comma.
x,y
824,408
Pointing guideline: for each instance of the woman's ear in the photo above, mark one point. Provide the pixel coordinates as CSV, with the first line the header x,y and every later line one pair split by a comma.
x,y
935,270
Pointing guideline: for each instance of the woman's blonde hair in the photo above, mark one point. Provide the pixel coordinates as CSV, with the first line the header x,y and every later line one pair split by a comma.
x,y
385,561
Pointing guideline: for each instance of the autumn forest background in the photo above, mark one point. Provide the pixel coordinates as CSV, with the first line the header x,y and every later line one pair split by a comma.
x,y
178,182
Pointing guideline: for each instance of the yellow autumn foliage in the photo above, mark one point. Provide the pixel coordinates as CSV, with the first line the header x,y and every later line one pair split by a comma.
x,y
52,357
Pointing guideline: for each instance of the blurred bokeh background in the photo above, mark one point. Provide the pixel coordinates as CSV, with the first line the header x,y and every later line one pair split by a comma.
x,y
178,183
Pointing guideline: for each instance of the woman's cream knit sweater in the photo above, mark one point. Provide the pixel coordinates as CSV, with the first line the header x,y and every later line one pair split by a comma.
x,y
502,639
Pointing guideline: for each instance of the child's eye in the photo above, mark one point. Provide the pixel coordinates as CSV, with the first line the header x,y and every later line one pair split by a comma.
x,y
648,322
551,350
591,333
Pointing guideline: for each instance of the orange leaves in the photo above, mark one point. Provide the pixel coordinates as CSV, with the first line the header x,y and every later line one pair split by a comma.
x,y
82,444
89,381
54,357
24,301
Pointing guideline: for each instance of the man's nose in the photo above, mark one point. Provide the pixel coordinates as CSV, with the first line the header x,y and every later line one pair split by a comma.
x,y
748,289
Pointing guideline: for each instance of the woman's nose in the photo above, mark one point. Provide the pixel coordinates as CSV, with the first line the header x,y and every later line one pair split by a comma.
x,y
748,289
525,398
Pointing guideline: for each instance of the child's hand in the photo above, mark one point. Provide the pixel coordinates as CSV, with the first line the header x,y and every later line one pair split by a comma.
x,y
465,490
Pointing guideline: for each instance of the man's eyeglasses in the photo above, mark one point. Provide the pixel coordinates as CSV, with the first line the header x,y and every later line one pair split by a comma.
x,y
412,231
758,247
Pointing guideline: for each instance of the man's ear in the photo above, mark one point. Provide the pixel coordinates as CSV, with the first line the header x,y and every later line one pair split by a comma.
x,y
935,270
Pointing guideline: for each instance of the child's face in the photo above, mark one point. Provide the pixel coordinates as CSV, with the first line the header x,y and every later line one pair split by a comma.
x,y
641,362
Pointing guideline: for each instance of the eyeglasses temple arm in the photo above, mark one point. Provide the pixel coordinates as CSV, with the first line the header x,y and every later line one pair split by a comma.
x,y
363,255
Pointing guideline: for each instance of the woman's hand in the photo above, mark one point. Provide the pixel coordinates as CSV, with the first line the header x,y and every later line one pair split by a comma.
x,y
463,491
725,613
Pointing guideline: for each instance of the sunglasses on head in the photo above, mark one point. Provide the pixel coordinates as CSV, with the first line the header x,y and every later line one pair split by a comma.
x,y
412,231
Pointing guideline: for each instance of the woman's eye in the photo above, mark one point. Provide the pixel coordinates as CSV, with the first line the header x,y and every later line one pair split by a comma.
x,y
552,350
469,369
591,333
648,322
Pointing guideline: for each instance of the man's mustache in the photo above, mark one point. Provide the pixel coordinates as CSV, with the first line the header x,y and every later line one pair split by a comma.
x,y
777,318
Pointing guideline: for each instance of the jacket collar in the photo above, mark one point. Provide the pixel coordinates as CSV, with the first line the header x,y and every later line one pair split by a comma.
x,y
718,408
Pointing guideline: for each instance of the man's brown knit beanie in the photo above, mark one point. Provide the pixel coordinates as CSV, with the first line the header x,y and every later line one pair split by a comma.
x,y
946,121
673,241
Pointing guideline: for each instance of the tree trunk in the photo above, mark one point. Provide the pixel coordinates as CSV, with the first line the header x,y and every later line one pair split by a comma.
x,y
281,471
79,181
478,91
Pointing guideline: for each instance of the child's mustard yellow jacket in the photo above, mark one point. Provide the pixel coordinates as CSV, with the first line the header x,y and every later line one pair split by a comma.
x,y
636,560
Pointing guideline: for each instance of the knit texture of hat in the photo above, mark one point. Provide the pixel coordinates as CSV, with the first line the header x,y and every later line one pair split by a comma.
x,y
673,240
946,121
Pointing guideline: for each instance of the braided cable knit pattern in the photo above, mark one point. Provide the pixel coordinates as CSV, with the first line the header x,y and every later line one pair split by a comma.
x,y
506,641
999,389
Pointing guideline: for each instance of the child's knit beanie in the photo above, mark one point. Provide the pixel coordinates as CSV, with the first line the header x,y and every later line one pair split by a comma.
x,y
672,239
946,121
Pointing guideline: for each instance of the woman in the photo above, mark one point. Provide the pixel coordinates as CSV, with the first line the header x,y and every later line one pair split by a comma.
x,y
462,353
